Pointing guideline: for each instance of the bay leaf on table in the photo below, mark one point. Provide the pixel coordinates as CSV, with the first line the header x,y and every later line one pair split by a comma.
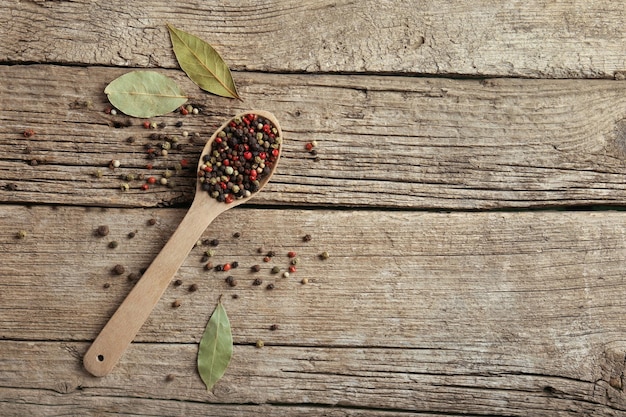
x,y
216,347
145,94
202,63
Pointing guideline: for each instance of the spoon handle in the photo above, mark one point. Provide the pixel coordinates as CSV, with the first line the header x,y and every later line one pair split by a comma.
x,y
124,325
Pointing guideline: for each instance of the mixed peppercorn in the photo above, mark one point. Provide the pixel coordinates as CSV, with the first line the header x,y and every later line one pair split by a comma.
x,y
241,157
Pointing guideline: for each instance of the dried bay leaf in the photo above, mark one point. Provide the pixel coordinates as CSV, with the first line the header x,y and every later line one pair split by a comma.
x,y
202,64
145,94
216,347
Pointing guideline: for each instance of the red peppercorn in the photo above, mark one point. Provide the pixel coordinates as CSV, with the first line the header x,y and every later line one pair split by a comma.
x,y
223,185
308,146
184,111
267,259
247,155
226,162
29,133
292,269
218,140
144,187
262,155
226,267
275,152
149,166
291,254
146,124
151,180
253,175
229,199
184,163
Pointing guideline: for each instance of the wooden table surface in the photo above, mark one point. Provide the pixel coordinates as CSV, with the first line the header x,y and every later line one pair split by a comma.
x,y
468,189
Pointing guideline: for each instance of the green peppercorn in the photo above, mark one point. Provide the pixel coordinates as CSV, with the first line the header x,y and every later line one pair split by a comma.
x,y
259,344
324,255
275,270
113,244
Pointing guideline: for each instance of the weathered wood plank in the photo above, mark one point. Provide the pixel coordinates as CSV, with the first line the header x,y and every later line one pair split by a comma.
x,y
293,381
460,312
537,38
411,142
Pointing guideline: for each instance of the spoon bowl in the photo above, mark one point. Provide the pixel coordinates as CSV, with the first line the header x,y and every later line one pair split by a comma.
x,y
123,326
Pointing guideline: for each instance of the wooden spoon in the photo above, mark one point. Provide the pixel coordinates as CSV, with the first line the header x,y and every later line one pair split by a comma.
x,y
124,325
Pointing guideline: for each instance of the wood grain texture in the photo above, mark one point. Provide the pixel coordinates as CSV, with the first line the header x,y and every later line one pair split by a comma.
x,y
537,38
479,313
383,141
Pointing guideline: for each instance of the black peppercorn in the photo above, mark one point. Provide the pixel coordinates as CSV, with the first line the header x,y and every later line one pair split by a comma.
x,y
118,269
257,282
271,254
255,268
106,285
102,230
178,283
152,222
274,327
214,242
234,264
236,235
270,287
306,238
179,124
193,288
131,235
132,276
113,244
218,268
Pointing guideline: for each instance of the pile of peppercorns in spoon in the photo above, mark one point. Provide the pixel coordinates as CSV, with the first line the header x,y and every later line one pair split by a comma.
x,y
240,158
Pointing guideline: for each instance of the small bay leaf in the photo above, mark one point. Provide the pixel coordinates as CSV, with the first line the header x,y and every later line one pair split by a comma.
x,y
216,347
145,94
202,64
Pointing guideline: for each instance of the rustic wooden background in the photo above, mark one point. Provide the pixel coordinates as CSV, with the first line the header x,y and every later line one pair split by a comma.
x,y
469,190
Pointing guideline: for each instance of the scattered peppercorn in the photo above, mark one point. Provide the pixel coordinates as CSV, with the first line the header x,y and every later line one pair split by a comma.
x,y
259,344
133,276
113,244
226,267
152,222
209,253
170,377
193,288
234,264
214,242
114,164
208,266
269,287
236,235
102,230
11,186
34,162
29,133
119,269
324,255
304,281
178,283
21,234
218,268
179,124
235,296
106,285
291,254
271,254
267,259
275,270
260,250
255,268
204,258
285,274
176,303
294,261
274,327
257,282
292,269
131,235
